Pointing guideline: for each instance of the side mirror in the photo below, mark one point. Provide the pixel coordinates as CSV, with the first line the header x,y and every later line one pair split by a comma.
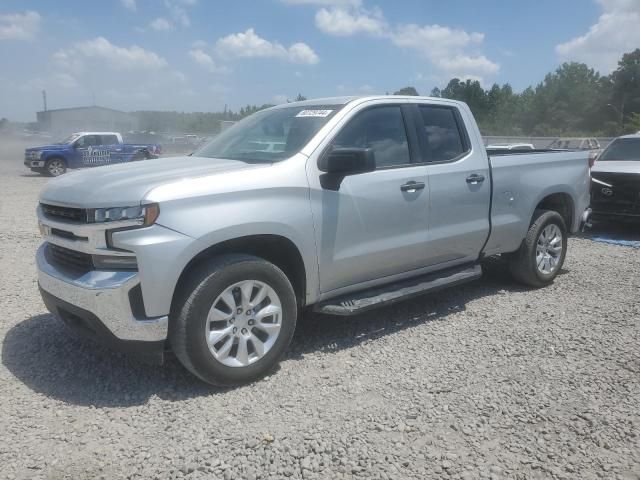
x,y
347,161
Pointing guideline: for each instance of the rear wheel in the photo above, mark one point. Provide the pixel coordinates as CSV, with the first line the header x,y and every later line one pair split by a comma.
x,y
542,253
234,319
55,167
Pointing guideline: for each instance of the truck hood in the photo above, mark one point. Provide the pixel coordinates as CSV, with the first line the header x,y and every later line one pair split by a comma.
x,y
126,184
628,166
48,147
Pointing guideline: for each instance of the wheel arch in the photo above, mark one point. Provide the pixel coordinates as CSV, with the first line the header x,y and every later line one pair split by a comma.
x,y
275,249
55,156
561,202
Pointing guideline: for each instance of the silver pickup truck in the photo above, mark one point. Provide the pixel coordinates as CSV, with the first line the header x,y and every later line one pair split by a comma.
x,y
337,204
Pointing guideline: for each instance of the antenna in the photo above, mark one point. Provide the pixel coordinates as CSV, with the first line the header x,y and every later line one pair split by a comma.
x,y
44,99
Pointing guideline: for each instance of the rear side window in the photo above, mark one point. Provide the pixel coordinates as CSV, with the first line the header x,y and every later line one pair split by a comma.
x,y
444,135
381,129
109,140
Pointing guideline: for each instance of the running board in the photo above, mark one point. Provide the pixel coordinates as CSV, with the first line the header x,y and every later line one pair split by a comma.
x,y
358,302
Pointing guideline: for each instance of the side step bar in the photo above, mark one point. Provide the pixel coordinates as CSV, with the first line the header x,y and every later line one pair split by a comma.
x,y
358,302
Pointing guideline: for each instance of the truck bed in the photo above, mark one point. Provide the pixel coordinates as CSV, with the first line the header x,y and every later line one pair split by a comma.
x,y
521,180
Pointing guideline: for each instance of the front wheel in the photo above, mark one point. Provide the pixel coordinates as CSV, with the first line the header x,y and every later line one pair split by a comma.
x,y
233,320
55,167
542,253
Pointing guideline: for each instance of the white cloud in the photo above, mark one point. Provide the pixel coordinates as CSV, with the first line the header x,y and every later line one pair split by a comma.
x,y
19,26
447,49
249,45
161,25
106,53
616,32
203,59
178,12
452,52
129,5
65,80
344,22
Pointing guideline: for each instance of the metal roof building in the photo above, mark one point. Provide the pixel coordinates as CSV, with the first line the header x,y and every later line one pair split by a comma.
x,y
63,121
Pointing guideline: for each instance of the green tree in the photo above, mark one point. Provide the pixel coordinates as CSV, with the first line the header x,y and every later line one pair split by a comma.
x,y
569,101
407,91
625,89
470,92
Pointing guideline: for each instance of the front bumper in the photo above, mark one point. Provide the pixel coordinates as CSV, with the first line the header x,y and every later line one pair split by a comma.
x,y
100,304
611,215
34,163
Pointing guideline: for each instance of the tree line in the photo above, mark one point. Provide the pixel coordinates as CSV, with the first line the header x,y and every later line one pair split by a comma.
x,y
573,100
196,122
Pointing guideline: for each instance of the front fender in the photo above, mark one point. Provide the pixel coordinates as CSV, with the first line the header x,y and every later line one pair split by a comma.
x,y
49,154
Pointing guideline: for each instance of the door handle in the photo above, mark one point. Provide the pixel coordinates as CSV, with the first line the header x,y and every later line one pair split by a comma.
x,y
412,186
475,179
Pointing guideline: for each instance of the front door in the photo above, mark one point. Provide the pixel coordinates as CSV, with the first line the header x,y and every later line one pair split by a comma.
x,y
90,151
374,224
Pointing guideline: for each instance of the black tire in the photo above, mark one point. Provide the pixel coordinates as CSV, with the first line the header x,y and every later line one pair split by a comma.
x,y
54,167
194,300
523,265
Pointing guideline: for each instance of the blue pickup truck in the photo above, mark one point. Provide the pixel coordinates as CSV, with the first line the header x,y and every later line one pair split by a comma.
x,y
86,149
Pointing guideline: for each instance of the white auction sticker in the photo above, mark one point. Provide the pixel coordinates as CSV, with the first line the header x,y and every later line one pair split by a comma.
x,y
314,113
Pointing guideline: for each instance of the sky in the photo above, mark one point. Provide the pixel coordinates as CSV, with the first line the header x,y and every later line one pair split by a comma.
x,y
200,55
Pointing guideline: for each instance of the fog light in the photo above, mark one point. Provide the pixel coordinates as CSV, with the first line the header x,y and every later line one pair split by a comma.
x,y
44,229
110,262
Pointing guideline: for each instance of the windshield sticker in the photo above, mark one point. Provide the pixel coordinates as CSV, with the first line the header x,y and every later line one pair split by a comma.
x,y
314,113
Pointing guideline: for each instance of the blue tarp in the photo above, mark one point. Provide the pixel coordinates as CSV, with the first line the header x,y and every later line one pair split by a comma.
x,y
615,241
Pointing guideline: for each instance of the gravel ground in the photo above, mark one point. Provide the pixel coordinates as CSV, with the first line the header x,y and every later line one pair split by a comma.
x,y
489,380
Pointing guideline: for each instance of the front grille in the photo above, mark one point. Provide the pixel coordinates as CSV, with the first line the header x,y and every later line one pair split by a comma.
x,y
64,213
622,197
77,261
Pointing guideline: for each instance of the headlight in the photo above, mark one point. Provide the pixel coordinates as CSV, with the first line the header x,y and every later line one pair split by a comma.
x,y
146,214
109,262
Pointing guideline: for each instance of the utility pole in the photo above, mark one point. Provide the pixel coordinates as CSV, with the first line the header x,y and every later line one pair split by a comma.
x,y
44,99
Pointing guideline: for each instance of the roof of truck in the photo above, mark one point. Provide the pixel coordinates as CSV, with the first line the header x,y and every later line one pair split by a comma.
x,y
96,133
347,99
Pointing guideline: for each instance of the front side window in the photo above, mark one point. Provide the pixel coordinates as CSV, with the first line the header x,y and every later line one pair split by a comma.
x,y
381,129
622,149
270,135
88,141
443,135
69,140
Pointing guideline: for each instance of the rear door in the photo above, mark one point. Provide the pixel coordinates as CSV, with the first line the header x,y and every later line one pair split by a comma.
x,y
459,184
110,144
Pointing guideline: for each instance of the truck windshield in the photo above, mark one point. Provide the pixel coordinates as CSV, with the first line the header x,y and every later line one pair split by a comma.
x,y
622,149
70,139
270,135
